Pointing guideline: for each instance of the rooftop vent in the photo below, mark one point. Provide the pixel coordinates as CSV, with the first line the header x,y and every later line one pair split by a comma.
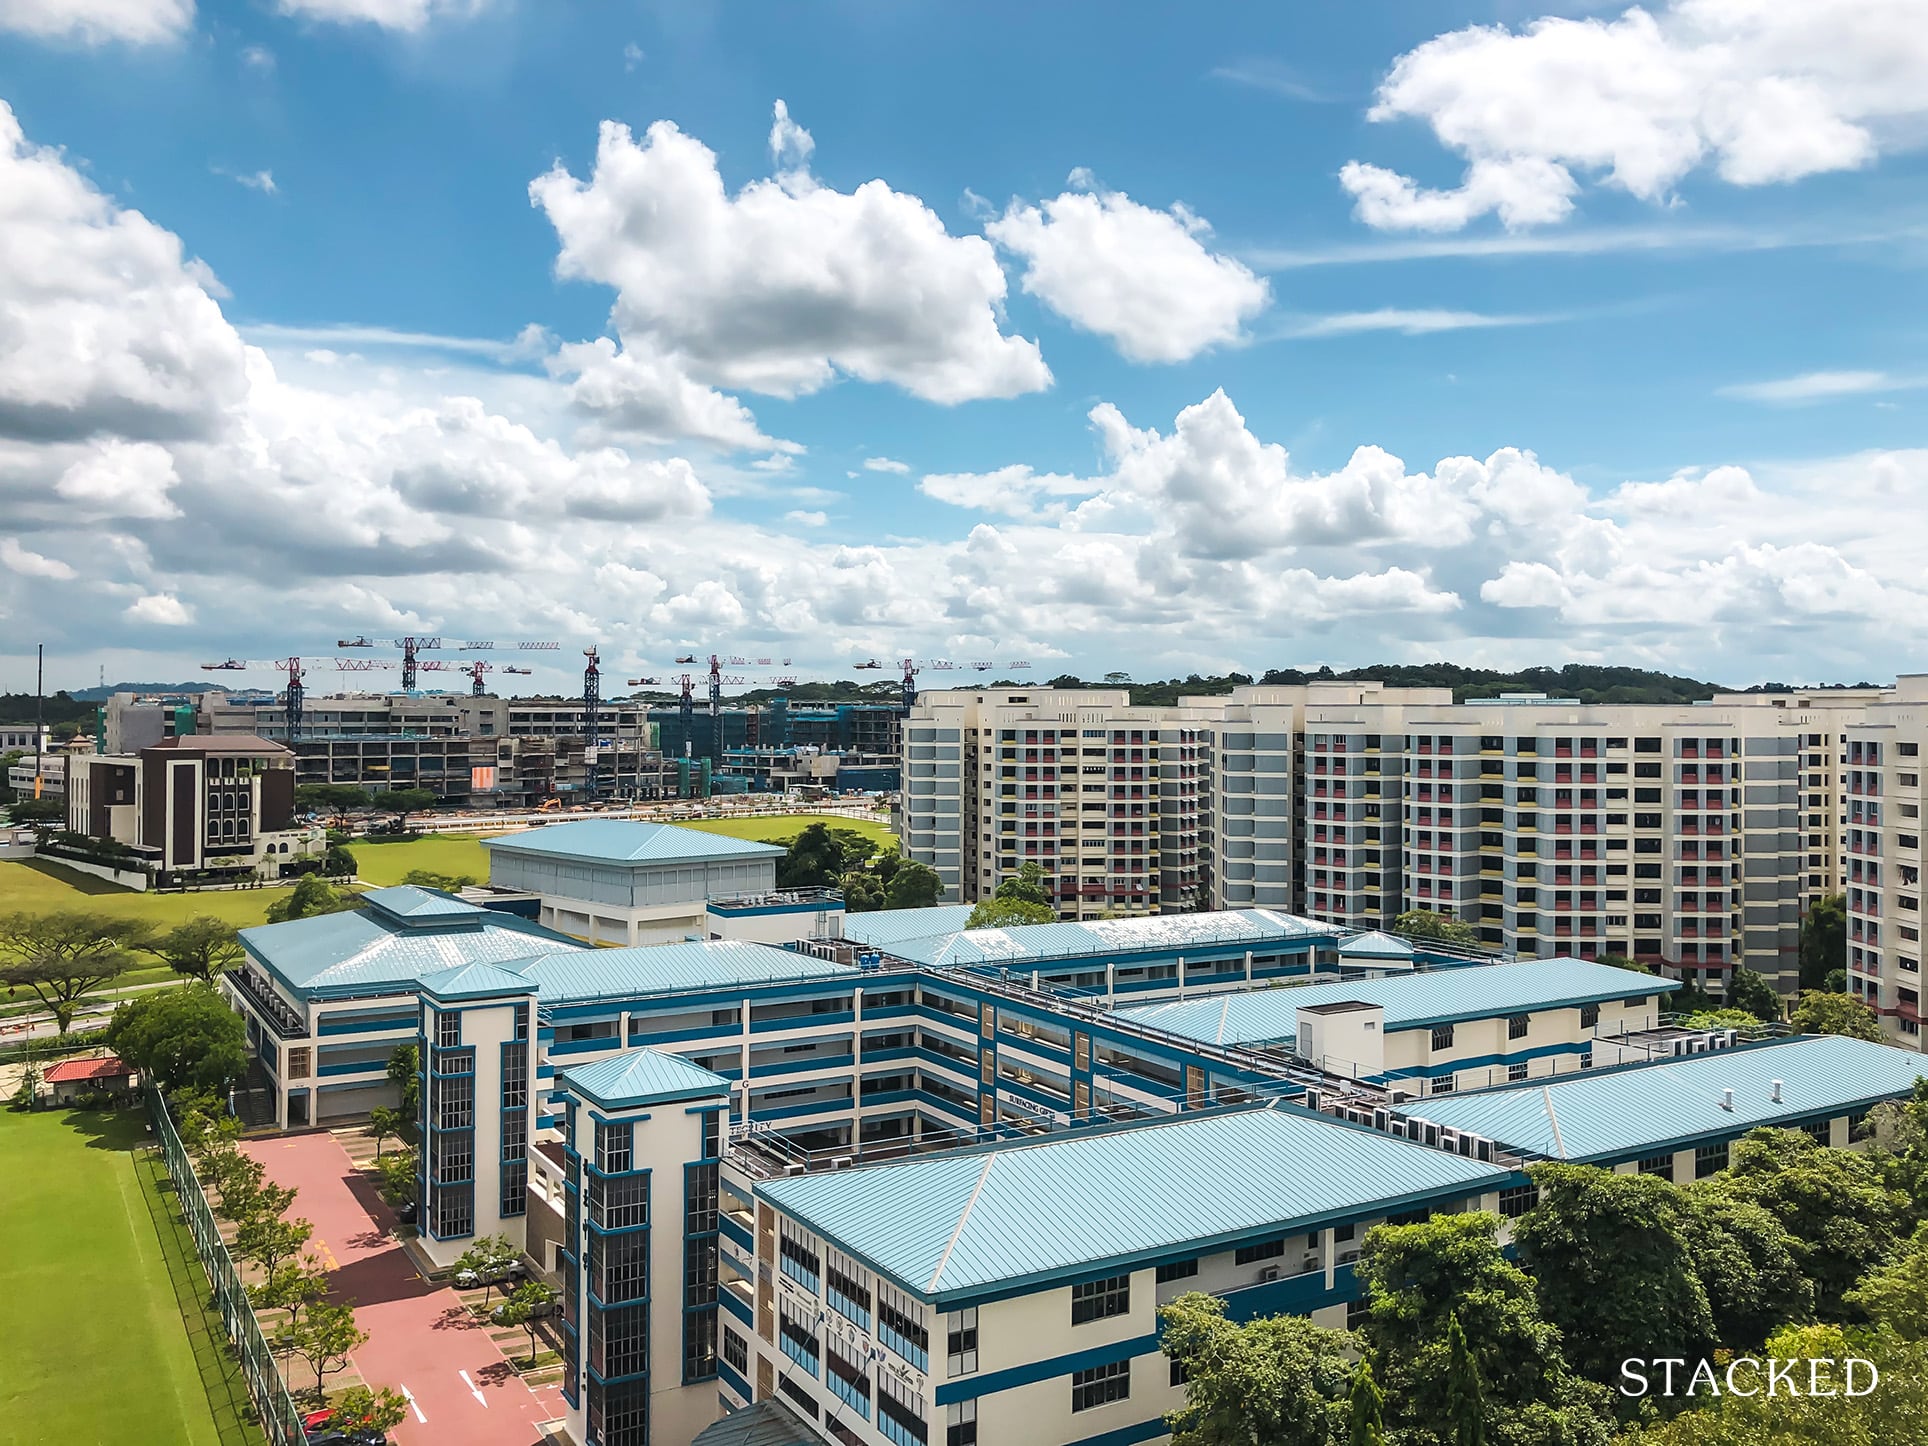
x,y
1727,1100
1777,1092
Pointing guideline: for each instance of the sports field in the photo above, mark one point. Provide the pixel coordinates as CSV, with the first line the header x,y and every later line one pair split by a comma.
x,y
42,886
104,1335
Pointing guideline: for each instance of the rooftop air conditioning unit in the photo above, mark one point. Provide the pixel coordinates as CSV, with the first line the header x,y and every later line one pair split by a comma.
x,y
1269,1274
1381,1119
1399,1097
1448,1140
1347,1257
1312,1099
1311,1264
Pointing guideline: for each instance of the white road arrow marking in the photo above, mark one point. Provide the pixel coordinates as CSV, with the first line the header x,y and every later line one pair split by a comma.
x,y
472,1390
410,1396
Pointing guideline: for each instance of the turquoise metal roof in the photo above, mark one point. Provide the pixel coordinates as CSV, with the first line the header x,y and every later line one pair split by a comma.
x,y
1375,946
624,841
411,901
642,1077
362,951
947,1227
474,981
767,1423
1025,945
1622,1112
889,926
579,976
1478,991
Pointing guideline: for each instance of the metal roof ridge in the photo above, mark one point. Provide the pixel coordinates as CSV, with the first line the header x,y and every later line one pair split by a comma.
x,y
1224,1015
951,1244
1553,1119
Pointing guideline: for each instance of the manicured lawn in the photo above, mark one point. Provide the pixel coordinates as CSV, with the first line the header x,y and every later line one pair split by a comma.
x,y
387,863
106,1338
40,886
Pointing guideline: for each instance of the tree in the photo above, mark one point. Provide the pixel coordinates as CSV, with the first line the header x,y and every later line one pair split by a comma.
x,y
862,892
1610,1264
293,1286
913,886
1365,1409
1026,886
324,1338
489,1260
330,797
1719,1019
181,1038
403,801
39,810
199,949
816,860
1425,924
1465,1398
1004,913
377,1411
1749,991
1279,1380
1819,1013
64,957
1824,940
249,1196
312,895
383,1124
1895,1293
337,862
1418,1278
405,1073
1744,1260
270,1241
1750,1416
399,1178
528,1303
1835,1205
430,879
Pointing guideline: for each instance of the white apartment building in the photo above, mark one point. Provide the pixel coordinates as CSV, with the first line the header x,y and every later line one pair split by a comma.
x,y
1694,834
1881,844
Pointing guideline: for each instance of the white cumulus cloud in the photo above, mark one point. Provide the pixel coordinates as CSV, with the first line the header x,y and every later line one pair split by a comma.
x,y
404,15
787,283
1758,90
1143,278
99,22
161,609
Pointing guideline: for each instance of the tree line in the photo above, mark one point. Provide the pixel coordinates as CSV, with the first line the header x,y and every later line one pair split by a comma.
x,y
1795,1250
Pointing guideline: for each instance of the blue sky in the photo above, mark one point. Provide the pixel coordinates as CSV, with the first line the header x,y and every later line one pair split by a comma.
x,y
1625,307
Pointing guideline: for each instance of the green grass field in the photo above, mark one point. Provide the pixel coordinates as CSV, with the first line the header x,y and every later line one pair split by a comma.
x,y
108,1339
388,863
42,886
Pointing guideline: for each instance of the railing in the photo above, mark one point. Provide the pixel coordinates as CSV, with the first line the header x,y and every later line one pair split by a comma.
x,y
279,1416
281,1017
770,897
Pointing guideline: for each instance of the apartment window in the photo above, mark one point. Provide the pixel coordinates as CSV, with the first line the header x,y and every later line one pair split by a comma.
x,y
1443,1084
1589,1015
1710,1160
1820,1131
699,1199
736,1351
1442,1036
900,1411
448,1029
1518,1200
619,1204
619,1267
613,1144
1101,1299
1176,1270
1101,1385
699,1272
1516,1070
1658,1165
960,1423
1516,1026
1358,1312
1263,1250
960,1347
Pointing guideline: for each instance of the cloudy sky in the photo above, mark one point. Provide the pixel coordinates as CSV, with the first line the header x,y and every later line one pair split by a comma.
x,y
1100,335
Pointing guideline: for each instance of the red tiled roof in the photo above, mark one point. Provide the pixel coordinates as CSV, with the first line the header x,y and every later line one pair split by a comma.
x,y
107,1067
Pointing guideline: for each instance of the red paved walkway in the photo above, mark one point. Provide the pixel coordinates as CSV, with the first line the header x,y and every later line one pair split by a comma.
x,y
420,1338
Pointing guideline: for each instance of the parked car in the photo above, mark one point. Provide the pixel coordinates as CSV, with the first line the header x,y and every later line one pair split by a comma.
x,y
320,1430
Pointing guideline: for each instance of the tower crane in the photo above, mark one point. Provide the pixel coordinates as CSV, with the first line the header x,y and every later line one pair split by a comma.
x,y
413,646
912,667
591,710
1009,667
292,694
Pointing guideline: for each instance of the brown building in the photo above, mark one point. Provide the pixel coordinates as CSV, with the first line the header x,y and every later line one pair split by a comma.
x,y
221,804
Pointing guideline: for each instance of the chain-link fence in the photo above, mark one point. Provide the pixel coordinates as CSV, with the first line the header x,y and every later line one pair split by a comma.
x,y
280,1417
